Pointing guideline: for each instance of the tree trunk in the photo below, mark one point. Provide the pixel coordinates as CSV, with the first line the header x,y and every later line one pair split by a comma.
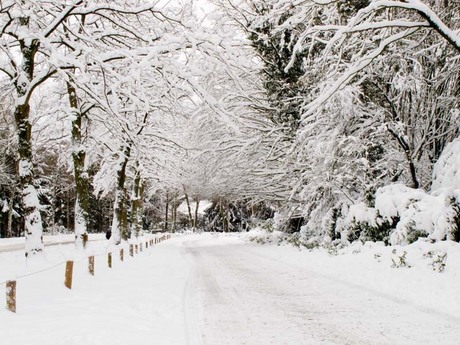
x,y
195,223
167,212
187,200
174,214
408,152
9,227
136,205
80,173
120,226
28,193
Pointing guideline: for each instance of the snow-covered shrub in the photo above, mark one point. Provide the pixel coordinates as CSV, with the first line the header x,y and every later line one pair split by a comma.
x,y
438,260
392,200
293,239
334,247
414,213
402,215
366,224
435,216
333,222
261,239
267,225
399,259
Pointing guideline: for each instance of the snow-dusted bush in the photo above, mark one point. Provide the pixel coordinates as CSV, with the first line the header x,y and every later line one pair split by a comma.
x,y
333,222
393,203
399,259
433,216
438,260
333,248
366,224
402,215
267,225
417,213
393,200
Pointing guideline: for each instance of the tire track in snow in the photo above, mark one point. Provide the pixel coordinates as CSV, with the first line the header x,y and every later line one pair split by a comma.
x,y
191,312
270,312
192,303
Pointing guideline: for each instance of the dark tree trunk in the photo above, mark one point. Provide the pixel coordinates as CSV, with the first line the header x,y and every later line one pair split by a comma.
x,y
80,173
25,169
120,226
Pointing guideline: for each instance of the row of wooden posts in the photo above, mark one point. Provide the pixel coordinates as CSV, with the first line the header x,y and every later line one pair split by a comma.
x,y
133,249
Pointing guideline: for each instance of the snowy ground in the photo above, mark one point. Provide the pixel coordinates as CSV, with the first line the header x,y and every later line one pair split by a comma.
x,y
18,243
218,289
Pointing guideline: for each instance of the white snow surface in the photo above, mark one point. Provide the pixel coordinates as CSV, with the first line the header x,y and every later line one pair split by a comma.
x,y
446,171
223,289
393,200
202,207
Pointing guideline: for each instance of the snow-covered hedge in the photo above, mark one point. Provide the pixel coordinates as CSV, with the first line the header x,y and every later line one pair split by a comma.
x,y
433,215
405,214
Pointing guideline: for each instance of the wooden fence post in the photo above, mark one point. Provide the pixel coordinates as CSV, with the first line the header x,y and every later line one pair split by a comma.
x,y
91,265
147,245
136,248
122,252
11,295
68,274
109,260
140,247
131,250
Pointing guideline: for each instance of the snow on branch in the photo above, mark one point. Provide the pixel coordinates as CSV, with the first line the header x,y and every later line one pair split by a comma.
x,y
356,67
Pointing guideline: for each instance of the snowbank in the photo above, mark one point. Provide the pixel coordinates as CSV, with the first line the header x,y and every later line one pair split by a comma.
x,y
446,171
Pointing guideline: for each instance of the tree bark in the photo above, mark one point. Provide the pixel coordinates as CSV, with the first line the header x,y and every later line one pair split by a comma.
x,y
80,173
28,192
120,226
136,205
408,153
187,200
167,212
9,227
195,223
174,214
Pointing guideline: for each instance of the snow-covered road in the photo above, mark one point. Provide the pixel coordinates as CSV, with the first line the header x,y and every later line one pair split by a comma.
x,y
250,296
217,290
